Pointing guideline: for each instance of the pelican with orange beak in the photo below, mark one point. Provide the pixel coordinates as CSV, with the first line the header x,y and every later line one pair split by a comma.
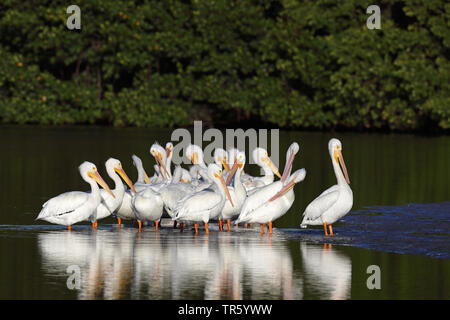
x,y
71,207
268,203
160,155
336,201
109,204
261,158
204,205
195,154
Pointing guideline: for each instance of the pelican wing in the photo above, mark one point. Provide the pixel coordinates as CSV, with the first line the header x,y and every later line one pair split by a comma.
x,y
64,203
258,199
198,203
321,204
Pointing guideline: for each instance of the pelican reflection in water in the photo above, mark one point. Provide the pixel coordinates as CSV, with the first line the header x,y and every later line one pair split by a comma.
x,y
125,264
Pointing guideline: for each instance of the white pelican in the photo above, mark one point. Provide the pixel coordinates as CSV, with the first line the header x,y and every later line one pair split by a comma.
x,y
75,206
160,155
125,210
336,201
237,193
206,204
148,206
195,154
269,203
261,158
221,159
109,204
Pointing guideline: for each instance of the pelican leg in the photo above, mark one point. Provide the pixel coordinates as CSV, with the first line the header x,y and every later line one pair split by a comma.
x,y
270,227
175,224
196,228
94,225
69,227
181,226
262,229
220,225
156,226
251,225
245,225
206,227
140,225
228,225
331,230
119,222
325,229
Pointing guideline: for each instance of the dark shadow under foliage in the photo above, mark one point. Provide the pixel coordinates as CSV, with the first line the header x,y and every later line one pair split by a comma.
x,y
291,64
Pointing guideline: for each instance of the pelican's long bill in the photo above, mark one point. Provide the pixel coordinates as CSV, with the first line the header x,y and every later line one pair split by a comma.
x,y
225,165
273,167
232,172
125,178
194,158
288,166
146,178
162,166
283,190
225,188
344,168
96,176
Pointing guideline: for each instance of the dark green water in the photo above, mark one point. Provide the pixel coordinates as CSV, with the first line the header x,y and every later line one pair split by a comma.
x,y
400,221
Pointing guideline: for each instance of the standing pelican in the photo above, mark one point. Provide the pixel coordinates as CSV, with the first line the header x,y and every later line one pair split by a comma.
x,y
109,204
75,206
268,203
336,201
237,193
125,210
206,204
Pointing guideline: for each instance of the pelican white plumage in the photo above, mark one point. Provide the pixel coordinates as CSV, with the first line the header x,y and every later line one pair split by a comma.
x,y
336,201
75,206
270,202
110,204
125,210
147,206
206,204
195,154
237,192
261,158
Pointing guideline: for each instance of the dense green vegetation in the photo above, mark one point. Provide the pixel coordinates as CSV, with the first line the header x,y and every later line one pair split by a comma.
x,y
309,64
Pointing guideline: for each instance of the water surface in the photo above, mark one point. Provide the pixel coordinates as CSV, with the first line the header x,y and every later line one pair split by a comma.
x,y
400,221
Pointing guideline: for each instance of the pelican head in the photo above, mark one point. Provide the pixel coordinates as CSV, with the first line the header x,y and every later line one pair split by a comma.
x,y
221,158
185,176
195,154
296,177
215,173
261,157
160,155
137,162
335,149
239,161
114,166
89,173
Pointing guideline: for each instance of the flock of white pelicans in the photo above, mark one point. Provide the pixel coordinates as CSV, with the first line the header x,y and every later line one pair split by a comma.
x,y
219,191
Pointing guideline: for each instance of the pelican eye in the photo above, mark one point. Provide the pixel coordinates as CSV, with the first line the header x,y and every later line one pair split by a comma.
x,y
94,169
